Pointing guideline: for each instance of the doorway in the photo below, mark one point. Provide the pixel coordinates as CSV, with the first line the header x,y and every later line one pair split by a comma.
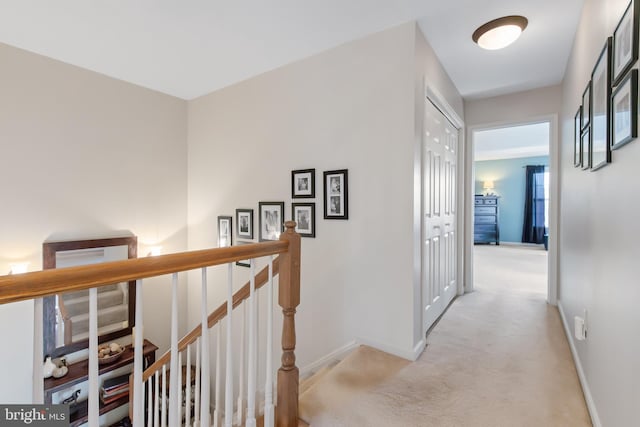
x,y
512,209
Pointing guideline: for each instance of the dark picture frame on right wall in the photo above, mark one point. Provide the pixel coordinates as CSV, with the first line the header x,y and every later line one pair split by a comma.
x,y
624,111
336,194
625,42
601,109
577,132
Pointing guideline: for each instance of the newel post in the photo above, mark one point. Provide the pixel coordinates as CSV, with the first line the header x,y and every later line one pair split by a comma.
x,y
289,299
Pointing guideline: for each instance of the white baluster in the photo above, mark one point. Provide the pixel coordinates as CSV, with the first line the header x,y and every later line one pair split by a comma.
x,y
241,365
179,389
138,390
251,373
187,409
228,395
93,405
174,385
156,411
216,412
163,396
196,407
205,380
38,350
268,387
150,403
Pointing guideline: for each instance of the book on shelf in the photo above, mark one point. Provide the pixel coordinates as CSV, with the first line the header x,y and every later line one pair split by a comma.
x,y
106,399
115,382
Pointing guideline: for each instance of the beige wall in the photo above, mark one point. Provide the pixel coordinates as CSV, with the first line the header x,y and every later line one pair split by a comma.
x,y
350,107
83,156
599,242
513,108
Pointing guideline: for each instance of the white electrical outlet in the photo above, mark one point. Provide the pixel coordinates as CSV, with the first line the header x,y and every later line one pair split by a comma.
x,y
579,328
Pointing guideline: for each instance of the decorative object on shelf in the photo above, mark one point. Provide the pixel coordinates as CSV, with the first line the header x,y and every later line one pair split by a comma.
x,y
303,184
271,221
108,353
625,42
244,223
601,109
225,231
304,214
48,367
60,372
336,194
577,149
586,149
586,106
625,111
72,399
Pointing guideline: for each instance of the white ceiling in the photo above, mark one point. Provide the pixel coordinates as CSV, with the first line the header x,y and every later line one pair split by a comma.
x,y
511,142
188,48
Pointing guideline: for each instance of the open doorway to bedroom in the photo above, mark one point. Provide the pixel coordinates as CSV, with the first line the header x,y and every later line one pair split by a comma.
x,y
511,208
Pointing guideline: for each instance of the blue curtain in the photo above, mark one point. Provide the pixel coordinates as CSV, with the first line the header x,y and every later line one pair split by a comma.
x,y
533,229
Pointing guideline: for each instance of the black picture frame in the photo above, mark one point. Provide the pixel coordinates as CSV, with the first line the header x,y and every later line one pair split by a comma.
x,y
624,111
577,147
625,42
303,184
601,109
270,220
585,143
244,224
586,106
244,262
225,231
304,214
336,194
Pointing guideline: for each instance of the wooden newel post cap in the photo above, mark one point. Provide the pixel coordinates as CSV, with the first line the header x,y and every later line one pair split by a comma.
x,y
290,226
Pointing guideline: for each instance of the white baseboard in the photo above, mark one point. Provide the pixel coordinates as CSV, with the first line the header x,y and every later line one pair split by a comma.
x,y
591,406
327,359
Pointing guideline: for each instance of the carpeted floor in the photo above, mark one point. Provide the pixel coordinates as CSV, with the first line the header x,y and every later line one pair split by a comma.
x,y
498,357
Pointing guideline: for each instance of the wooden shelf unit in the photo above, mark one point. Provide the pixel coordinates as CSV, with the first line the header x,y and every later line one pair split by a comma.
x,y
79,372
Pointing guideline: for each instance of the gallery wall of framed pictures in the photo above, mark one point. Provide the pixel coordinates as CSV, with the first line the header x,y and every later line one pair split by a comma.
x,y
607,118
271,215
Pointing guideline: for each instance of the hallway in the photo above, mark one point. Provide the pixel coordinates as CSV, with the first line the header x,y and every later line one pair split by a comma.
x,y
498,357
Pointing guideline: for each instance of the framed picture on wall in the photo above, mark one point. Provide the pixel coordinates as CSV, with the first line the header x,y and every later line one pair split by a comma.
x,y
625,42
244,223
625,111
601,109
303,184
244,262
225,231
271,220
586,106
577,149
336,194
304,214
586,149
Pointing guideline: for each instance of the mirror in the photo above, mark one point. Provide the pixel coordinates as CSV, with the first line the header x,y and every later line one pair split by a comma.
x,y
66,316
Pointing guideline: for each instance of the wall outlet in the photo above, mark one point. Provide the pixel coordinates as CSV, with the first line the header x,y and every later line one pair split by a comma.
x,y
580,330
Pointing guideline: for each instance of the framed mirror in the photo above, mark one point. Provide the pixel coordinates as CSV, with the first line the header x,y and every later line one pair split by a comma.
x,y
66,316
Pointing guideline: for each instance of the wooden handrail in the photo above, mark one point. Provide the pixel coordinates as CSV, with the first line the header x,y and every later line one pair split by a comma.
x,y
20,287
242,294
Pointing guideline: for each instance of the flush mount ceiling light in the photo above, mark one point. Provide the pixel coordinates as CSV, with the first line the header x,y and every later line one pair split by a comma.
x,y
500,32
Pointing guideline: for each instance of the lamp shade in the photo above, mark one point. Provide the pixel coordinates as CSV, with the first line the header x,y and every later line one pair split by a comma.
x,y
488,185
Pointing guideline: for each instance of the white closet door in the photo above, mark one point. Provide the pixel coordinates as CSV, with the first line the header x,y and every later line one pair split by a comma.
x,y
439,154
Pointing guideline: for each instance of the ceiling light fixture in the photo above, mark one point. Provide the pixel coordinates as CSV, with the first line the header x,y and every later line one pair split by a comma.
x,y
500,32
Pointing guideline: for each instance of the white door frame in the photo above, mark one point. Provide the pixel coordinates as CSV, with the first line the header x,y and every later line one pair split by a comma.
x,y
554,206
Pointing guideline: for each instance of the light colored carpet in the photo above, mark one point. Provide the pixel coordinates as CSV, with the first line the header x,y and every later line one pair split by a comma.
x,y
497,358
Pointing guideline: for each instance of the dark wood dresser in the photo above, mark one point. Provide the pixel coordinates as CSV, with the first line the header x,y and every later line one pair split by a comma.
x,y
486,224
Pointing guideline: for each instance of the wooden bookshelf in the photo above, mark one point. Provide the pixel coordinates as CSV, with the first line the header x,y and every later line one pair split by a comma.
x,y
79,372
